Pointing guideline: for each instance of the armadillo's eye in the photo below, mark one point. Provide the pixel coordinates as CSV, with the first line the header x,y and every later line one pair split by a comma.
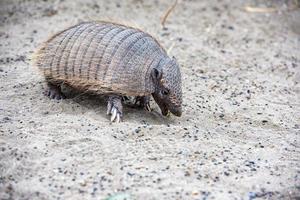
x,y
165,92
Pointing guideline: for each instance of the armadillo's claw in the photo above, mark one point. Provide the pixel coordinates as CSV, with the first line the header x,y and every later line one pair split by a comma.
x,y
168,114
143,102
148,108
118,120
115,108
113,114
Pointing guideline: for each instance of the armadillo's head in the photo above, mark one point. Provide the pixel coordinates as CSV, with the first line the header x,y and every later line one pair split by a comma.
x,y
167,80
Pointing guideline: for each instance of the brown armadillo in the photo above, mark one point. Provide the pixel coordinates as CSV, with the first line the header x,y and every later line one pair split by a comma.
x,y
112,59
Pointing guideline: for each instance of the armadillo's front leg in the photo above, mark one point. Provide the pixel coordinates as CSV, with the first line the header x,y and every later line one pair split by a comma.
x,y
143,102
115,108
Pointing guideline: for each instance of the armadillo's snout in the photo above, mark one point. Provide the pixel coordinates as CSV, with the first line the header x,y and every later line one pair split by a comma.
x,y
177,111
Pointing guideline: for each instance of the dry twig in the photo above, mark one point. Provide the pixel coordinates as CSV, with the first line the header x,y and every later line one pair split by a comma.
x,y
270,10
170,48
259,10
167,13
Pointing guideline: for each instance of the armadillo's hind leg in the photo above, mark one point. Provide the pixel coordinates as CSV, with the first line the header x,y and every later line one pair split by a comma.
x,y
115,108
54,91
143,102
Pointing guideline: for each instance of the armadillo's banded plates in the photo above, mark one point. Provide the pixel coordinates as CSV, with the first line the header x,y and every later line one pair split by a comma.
x,y
100,56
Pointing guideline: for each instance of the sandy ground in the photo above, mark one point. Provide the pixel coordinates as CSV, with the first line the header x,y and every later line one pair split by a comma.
x,y
237,139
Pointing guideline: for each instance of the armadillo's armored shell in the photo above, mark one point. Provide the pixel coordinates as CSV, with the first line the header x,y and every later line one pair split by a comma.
x,y
102,57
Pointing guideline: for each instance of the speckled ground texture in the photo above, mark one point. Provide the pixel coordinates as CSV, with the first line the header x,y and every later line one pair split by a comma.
x,y
238,137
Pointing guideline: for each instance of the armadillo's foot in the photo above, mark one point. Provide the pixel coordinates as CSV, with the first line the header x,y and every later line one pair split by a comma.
x,y
54,92
143,102
115,108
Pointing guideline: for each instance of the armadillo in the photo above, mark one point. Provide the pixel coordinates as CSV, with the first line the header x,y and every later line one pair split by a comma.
x,y
114,60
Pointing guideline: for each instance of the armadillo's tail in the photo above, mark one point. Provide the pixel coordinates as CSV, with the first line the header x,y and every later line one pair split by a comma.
x,y
38,56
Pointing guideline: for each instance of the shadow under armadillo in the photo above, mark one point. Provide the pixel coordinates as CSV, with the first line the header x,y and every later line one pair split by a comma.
x,y
98,103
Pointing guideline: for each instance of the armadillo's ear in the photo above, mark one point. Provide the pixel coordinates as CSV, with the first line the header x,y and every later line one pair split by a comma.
x,y
156,74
